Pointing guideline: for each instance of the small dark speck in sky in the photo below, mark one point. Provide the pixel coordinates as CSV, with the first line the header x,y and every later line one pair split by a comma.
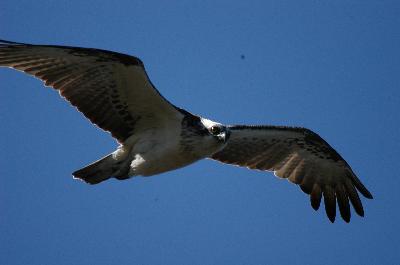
x,y
242,56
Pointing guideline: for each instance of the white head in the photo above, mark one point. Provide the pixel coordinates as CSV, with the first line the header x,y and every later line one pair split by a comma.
x,y
216,130
203,137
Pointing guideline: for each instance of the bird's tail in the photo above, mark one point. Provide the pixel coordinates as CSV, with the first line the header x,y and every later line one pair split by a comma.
x,y
103,169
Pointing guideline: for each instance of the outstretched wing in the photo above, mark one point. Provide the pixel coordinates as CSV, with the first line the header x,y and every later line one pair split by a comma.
x,y
302,157
111,89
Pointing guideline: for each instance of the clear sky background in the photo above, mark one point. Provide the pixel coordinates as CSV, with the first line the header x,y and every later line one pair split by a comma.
x,y
331,66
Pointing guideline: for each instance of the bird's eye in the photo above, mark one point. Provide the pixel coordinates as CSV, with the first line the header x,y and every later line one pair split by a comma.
x,y
215,130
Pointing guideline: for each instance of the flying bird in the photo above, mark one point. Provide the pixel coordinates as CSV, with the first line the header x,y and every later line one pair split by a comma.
x,y
114,92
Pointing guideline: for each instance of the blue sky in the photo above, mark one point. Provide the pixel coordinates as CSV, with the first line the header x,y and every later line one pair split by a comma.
x,y
331,66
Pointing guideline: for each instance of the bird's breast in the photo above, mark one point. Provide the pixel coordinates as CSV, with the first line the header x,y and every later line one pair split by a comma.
x,y
159,151
159,160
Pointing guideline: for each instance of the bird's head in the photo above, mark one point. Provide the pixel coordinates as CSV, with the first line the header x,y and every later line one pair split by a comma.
x,y
202,137
216,130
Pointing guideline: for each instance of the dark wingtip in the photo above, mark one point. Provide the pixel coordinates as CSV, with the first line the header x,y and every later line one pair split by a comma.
x,y
315,197
368,195
315,205
331,213
360,187
359,211
346,218
332,218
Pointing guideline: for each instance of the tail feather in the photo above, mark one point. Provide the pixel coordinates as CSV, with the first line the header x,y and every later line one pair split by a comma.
x,y
99,171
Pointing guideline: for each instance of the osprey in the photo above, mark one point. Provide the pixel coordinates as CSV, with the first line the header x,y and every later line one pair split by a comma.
x,y
114,92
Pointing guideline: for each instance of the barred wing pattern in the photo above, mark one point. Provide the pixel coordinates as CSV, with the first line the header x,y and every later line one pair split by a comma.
x,y
302,157
111,89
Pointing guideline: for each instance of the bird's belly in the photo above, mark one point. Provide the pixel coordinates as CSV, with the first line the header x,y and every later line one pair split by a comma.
x,y
152,163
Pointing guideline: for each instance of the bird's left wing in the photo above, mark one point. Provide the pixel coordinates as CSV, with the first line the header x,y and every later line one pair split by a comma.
x,y
111,89
302,157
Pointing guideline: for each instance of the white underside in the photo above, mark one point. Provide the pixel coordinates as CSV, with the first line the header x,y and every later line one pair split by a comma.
x,y
154,152
156,148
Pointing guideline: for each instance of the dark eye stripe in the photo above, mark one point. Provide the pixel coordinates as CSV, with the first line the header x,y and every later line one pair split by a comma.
x,y
215,130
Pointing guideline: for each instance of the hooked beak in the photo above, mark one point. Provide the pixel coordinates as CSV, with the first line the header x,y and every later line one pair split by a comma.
x,y
224,136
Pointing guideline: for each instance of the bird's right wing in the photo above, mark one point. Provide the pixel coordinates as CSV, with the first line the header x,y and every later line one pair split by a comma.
x,y
300,156
111,89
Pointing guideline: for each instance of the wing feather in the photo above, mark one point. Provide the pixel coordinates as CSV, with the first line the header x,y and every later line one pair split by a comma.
x,y
315,197
302,157
330,202
111,89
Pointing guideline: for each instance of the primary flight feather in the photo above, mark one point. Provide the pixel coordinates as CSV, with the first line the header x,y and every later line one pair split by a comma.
x,y
114,92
